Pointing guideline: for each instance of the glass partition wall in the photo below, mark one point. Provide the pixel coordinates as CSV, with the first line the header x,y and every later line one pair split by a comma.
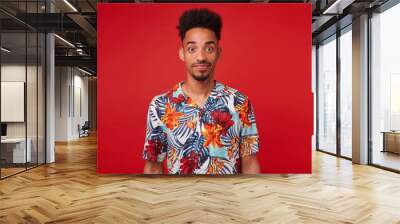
x,y
385,89
334,90
345,93
22,88
327,95
334,93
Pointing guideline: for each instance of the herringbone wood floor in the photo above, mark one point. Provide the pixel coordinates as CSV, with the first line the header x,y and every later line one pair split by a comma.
x,y
70,191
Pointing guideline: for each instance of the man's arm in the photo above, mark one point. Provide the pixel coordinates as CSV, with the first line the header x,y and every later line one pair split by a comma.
x,y
250,164
153,168
155,146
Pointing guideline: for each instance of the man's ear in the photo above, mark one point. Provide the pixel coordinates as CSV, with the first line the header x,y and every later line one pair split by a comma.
x,y
181,54
219,51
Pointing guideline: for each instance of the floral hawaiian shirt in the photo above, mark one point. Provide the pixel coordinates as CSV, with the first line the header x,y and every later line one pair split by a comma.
x,y
208,140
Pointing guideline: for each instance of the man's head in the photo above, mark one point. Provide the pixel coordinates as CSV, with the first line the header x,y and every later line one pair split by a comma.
x,y
200,32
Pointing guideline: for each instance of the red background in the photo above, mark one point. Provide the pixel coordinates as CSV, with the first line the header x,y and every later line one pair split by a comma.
x,y
266,54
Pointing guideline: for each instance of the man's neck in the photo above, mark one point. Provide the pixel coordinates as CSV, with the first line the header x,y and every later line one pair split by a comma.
x,y
198,89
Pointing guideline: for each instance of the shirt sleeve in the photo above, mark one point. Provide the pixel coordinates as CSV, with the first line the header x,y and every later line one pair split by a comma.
x,y
155,145
249,140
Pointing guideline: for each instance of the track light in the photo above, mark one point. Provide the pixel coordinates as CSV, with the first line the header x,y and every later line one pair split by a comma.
x,y
337,7
64,40
84,71
5,50
70,5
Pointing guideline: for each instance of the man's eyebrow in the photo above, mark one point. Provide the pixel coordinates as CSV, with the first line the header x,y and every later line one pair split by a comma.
x,y
211,42
208,42
190,42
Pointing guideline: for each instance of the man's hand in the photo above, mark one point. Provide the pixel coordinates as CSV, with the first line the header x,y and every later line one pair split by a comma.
x,y
250,165
153,168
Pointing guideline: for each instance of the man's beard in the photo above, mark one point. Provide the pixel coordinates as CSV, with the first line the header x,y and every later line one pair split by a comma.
x,y
201,77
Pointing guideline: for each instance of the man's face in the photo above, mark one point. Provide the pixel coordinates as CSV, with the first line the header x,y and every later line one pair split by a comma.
x,y
200,52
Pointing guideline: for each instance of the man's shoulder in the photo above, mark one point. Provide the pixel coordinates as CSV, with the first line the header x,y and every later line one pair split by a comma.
x,y
163,98
160,99
235,93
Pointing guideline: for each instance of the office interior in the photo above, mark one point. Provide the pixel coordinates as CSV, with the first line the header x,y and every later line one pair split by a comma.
x,y
49,95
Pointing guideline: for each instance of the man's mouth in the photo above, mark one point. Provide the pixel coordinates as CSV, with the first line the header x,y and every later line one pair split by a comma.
x,y
201,66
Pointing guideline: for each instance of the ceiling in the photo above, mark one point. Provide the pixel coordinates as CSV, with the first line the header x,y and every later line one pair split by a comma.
x,y
76,22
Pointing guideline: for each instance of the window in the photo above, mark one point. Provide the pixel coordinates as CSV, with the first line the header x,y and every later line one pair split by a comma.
x,y
346,93
385,88
327,95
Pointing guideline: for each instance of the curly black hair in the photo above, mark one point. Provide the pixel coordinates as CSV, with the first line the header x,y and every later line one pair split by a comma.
x,y
201,17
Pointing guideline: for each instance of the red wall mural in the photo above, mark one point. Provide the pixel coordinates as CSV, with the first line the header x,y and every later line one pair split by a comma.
x,y
266,55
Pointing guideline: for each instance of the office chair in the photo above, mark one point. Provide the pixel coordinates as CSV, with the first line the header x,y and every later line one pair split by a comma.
x,y
84,130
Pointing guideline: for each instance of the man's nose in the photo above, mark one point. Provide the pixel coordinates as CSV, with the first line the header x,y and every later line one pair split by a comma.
x,y
200,56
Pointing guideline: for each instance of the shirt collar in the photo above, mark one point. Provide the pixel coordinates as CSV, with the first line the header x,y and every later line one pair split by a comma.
x,y
217,91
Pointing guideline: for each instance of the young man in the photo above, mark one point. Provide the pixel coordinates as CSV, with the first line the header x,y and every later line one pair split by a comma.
x,y
201,126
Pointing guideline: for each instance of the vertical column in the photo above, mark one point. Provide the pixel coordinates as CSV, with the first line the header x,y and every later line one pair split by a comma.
x,y
338,99
360,89
50,92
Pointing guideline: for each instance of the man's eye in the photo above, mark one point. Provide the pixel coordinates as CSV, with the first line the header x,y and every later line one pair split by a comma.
x,y
209,49
191,49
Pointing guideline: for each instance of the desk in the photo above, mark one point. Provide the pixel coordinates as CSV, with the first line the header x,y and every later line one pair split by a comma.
x,y
391,141
13,150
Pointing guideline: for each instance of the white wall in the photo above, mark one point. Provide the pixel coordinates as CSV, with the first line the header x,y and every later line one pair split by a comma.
x,y
79,117
61,103
9,73
12,73
71,93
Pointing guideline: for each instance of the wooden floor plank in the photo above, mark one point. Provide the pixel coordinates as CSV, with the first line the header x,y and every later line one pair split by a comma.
x,y
70,191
